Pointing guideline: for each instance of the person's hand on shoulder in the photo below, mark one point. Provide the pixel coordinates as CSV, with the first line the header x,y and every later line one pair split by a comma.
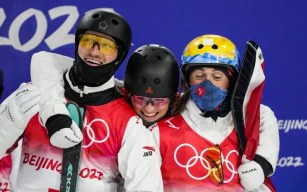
x,y
23,105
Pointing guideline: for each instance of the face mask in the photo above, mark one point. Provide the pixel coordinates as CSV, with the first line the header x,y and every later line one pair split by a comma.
x,y
207,96
93,76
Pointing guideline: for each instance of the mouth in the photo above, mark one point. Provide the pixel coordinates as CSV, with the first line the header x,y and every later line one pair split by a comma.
x,y
93,62
149,115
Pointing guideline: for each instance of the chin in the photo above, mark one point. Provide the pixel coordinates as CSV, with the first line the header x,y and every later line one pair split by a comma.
x,y
152,119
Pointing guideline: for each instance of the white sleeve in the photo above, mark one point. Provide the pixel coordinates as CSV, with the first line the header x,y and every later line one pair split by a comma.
x,y
156,135
16,156
268,146
137,159
8,132
47,70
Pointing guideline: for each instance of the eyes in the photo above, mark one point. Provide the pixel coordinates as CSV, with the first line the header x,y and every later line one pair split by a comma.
x,y
217,77
156,102
208,75
106,46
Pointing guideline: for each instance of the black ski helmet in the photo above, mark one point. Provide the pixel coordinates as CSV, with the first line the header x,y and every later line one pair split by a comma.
x,y
108,22
152,71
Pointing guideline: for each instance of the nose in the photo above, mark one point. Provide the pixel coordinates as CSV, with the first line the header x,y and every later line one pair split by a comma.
x,y
149,107
95,49
95,52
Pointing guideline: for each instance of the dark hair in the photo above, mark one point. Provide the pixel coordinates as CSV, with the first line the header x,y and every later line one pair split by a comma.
x,y
183,99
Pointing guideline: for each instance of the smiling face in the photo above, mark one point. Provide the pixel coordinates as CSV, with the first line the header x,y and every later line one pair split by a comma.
x,y
97,49
150,109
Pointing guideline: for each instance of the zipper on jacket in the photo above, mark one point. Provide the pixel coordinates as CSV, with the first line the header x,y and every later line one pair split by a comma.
x,y
81,90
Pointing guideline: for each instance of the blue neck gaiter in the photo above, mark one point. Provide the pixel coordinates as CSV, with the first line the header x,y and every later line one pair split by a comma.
x,y
207,96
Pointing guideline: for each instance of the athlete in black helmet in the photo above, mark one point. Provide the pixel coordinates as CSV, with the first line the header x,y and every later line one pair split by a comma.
x,y
114,139
102,41
110,24
151,80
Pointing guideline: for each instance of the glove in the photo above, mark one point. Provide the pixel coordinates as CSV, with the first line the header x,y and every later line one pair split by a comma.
x,y
23,105
63,131
120,87
251,175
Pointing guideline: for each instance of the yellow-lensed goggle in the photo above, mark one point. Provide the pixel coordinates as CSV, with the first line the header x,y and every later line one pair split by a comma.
x,y
106,46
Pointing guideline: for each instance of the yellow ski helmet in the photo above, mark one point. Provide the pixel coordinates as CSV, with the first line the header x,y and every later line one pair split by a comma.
x,y
210,50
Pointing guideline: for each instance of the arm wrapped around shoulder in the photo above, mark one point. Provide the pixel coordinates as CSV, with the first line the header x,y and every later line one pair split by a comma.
x,y
23,105
15,113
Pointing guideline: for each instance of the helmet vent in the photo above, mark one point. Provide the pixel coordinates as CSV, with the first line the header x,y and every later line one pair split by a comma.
x,y
159,58
157,81
143,80
214,46
96,16
167,53
115,22
200,46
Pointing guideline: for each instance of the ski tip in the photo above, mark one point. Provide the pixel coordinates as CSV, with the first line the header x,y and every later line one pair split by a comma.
x,y
253,44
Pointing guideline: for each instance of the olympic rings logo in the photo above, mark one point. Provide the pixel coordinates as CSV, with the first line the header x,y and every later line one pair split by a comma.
x,y
91,133
200,158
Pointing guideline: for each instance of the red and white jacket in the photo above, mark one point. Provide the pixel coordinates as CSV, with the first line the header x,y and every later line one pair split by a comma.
x,y
115,141
185,139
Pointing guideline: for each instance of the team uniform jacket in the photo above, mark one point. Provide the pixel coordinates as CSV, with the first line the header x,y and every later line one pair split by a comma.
x,y
6,160
186,139
5,171
8,170
115,143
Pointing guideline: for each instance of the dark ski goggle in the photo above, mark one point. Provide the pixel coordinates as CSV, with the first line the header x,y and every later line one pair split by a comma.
x,y
106,46
156,102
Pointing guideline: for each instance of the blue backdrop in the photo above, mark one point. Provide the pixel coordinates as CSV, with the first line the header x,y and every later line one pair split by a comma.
x,y
279,27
